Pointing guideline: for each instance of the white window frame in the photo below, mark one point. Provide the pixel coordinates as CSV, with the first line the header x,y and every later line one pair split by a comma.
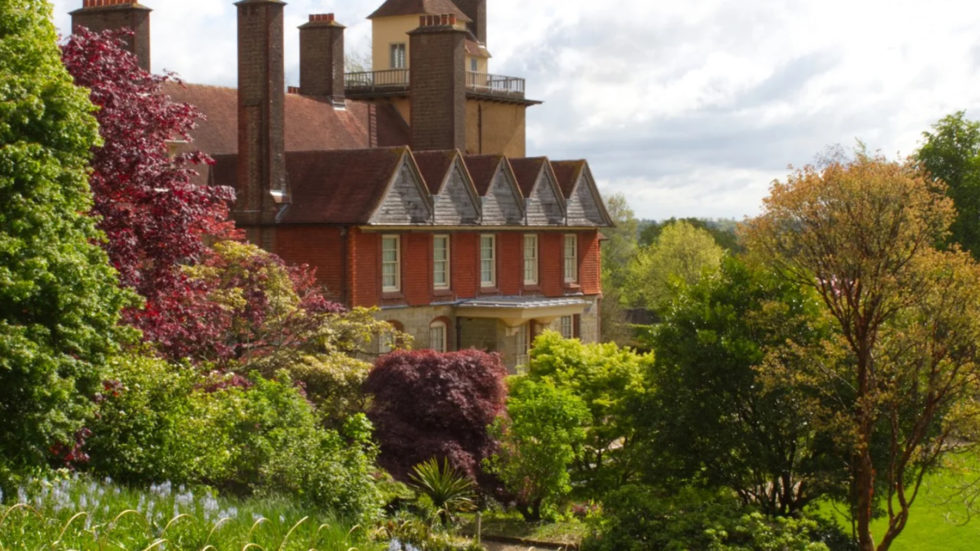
x,y
438,336
530,259
570,258
522,344
396,263
567,327
490,263
443,266
398,55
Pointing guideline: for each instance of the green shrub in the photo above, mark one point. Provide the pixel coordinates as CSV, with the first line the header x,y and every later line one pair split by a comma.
x,y
638,518
136,435
157,422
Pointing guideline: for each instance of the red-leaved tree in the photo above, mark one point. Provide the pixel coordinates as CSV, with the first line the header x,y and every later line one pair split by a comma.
x,y
429,404
154,215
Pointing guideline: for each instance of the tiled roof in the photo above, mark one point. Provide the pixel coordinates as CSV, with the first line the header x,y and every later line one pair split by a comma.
x,y
434,165
567,173
527,170
416,7
310,124
335,187
482,168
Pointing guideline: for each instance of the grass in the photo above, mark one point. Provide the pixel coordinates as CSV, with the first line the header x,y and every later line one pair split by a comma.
x,y
940,519
73,512
511,525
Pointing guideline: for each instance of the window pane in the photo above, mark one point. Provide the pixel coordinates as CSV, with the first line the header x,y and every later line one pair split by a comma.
x,y
487,273
437,337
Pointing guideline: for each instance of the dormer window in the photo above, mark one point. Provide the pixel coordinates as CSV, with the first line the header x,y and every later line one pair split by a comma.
x,y
398,56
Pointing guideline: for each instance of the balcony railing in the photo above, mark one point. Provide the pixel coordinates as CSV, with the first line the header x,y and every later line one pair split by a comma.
x,y
397,80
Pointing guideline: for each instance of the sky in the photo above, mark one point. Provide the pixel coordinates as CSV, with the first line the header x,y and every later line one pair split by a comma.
x,y
687,108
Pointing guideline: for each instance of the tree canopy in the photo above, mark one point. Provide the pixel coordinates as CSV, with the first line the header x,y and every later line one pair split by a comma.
x,y
951,155
678,256
155,217
59,297
861,232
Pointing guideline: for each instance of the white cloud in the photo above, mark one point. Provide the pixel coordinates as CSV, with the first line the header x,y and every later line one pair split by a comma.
x,y
691,107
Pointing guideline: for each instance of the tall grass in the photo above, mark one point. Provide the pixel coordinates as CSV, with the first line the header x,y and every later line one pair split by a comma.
x,y
74,512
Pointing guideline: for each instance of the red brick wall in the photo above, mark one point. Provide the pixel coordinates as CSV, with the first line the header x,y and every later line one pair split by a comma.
x,y
550,271
364,258
417,268
589,263
510,262
321,247
466,264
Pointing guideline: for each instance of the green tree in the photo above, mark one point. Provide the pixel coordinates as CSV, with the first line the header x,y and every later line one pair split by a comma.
x,y
59,298
539,439
678,257
617,251
861,232
722,229
951,154
610,381
710,419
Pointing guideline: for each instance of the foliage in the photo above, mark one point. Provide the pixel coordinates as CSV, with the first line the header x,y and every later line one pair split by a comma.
x,y
59,298
710,419
427,404
448,491
897,382
136,434
73,512
617,251
678,257
244,436
251,312
638,518
721,229
951,155
154,216
539,439
610,381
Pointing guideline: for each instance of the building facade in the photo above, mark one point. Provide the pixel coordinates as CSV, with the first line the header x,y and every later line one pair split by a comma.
x,y
407,188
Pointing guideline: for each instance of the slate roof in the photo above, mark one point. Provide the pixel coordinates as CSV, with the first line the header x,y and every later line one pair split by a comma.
x,y
415,7
527,170
567,173
310,124
482,168
332,187
434,165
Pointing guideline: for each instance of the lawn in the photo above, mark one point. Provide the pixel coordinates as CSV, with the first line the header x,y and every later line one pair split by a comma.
x,y
940,519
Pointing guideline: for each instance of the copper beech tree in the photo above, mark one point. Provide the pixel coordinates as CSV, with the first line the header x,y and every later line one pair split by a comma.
x,y
897,381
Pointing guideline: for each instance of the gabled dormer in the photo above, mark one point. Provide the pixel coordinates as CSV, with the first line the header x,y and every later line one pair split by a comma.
x,y
544,201
455,201
494,180
584,205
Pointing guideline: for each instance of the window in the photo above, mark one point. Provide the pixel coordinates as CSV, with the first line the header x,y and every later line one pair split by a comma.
x,y
530,260
437,336
398,56
523,344
488,264
473,65
567,327
387,341
390,263
440,261
571,258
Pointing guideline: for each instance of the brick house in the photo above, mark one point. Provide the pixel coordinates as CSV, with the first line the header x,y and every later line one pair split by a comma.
x,y
407,187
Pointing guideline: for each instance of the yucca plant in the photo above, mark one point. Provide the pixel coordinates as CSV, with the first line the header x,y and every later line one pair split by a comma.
x,y
449,491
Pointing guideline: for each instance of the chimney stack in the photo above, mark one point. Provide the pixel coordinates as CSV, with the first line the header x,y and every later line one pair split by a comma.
x,y
261,113
321,58
437,84
476,10
101,15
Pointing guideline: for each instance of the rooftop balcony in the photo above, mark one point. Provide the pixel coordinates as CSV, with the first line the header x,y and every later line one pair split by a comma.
x,y
395,82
